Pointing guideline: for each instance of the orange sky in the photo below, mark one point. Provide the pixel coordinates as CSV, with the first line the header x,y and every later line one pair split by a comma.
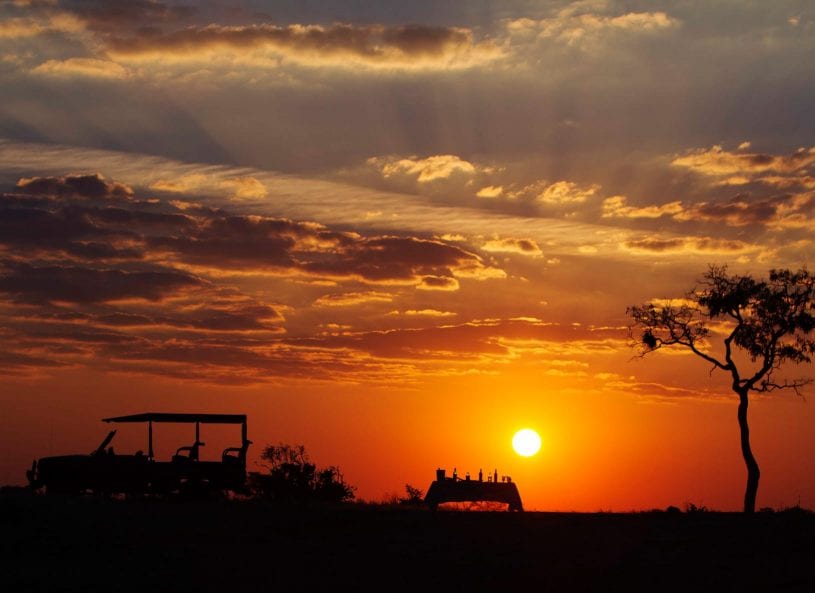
x,y
398,233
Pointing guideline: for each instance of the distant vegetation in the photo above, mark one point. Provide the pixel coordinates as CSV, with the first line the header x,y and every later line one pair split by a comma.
x,y
293,477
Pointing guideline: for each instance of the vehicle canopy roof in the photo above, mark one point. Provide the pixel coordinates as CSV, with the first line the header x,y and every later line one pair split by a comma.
x,y
181,418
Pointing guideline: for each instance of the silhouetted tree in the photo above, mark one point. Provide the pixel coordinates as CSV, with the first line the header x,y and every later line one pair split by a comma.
x,y
764,324
292,477
413,495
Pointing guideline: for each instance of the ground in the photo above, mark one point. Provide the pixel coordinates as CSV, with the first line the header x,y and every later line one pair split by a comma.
x,y
89,545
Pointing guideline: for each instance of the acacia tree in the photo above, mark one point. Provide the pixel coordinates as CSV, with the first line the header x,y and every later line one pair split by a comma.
x,y
761,325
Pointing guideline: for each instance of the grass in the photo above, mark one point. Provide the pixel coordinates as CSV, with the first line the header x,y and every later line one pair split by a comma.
x,y
91,544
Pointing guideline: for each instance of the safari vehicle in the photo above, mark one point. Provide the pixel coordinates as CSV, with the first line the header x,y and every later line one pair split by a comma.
x,y
454,489
104,471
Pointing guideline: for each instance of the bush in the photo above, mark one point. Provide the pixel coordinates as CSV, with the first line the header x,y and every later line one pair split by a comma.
x,y
691,508
292,477
413,495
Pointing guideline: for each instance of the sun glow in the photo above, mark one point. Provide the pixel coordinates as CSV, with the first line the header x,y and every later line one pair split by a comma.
x,y
526,442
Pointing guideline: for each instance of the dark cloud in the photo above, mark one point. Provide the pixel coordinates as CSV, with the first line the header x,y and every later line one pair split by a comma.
x,y
689,245
255,317
222,240
717,161
44,335
125,320
737,211
421,40
122,266
438,283
774,212
13,361
511,245
385,259
35,231
71,216
134,219
47,284
241,318
113,15
87,186
83,232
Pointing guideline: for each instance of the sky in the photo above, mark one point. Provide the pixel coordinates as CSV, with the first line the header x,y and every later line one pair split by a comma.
x,y
397,232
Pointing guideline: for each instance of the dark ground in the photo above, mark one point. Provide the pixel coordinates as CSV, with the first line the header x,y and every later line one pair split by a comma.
x,y
89,545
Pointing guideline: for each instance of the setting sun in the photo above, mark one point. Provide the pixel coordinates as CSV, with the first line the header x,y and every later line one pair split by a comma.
x,y
526,442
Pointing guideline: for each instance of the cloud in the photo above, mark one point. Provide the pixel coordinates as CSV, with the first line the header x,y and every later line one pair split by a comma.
x,y
566,192
87,186
483,339
422,313
349,299
15,362
776,212
96,219
245,188
734,212
407,47
340,205
90,67
617,207
584,29
183,184
31,26
509,245
688,245
240,317
72,284
68,232
15,28
490,191
438,283
424,170
114,15
716,161
444,176
453,178
144,311
224,241
238,187
394,259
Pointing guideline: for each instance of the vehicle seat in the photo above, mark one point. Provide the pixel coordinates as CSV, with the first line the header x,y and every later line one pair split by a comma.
x,y
236,454
192,452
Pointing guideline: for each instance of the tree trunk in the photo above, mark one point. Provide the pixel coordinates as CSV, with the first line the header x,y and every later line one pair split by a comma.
x,y
753,473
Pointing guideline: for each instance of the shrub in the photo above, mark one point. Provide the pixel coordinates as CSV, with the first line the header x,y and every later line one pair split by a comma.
x,y
293,477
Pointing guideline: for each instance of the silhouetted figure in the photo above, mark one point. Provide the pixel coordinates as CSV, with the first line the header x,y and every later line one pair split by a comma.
x,y
467,476
455,474
480,476
495,476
